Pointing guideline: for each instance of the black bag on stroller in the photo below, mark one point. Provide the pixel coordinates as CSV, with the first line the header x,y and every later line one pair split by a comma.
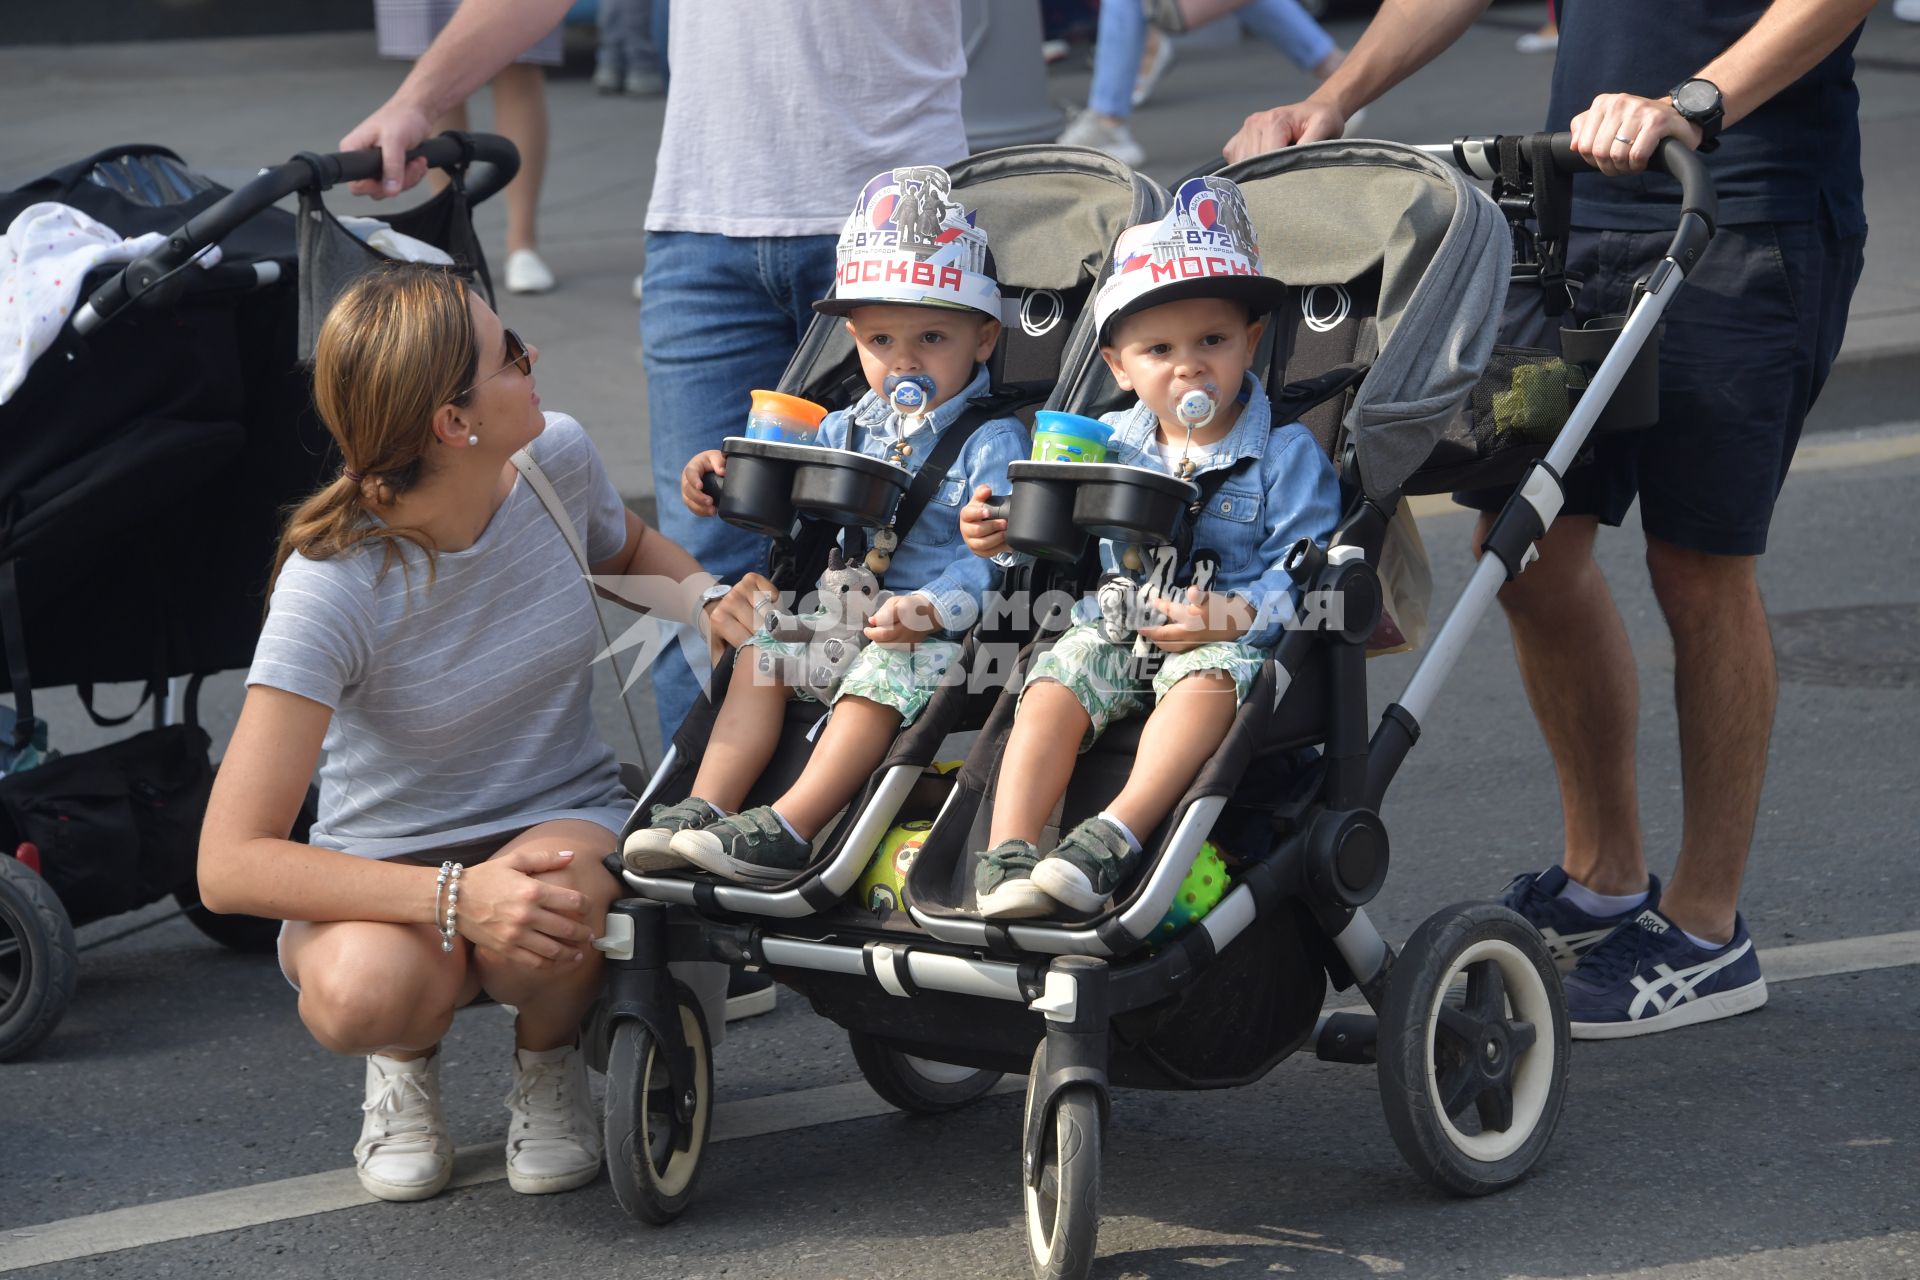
x,y
117,827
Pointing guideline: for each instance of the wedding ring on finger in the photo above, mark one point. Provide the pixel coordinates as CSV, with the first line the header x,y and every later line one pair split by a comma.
x,y
1625,141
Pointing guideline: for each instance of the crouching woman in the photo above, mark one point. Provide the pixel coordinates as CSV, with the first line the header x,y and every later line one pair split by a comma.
x,y
429,642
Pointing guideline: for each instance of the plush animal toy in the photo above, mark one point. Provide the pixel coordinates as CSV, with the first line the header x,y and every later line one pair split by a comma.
x,y
1127,605
833,634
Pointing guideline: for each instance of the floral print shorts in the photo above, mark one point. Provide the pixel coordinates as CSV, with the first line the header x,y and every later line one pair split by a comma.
x,y
1100,676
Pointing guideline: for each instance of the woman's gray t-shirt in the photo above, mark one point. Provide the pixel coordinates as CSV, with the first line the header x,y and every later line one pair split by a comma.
x,y
461,711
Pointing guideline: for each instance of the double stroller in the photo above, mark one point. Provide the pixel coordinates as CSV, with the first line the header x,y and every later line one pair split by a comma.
x,y
1398,270
148,458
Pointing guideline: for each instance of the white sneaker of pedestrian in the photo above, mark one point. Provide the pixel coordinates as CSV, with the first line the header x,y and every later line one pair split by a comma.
x,y
404,1152
1548,41
553,1142
1089,130
644,84
526,273
1907,10
1149,78
1054,50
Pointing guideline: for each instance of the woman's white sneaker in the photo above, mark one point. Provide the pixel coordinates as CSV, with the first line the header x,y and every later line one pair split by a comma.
x,y
404,1152
553,1142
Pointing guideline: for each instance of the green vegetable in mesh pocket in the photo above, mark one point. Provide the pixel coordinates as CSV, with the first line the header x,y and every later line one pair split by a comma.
x,y
1535,404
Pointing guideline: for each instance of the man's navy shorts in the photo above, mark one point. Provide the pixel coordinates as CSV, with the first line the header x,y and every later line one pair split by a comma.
x,y
1749,340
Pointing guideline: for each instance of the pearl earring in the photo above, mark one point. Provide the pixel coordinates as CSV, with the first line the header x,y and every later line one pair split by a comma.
x,y
473,439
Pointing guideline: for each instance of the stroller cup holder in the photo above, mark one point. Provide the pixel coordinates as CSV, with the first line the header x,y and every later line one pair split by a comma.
x,y
1055,506
767,481
1635,403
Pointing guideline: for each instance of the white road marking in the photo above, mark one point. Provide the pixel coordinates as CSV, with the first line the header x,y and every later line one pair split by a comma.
x,y
1842,955
263,1203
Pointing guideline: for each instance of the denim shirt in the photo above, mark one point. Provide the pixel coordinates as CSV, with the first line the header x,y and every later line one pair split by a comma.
x,y
1288,494
932,560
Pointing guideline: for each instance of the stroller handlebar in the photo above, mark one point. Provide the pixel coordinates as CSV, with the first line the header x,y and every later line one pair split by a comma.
x,y
493,161
1479,157
1671,157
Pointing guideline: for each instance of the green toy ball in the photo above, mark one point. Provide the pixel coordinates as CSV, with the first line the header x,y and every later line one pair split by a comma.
x,y
882,888
1199,893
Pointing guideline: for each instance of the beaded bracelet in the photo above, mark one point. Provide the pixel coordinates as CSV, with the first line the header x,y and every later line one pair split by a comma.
x,y
440,891
450,879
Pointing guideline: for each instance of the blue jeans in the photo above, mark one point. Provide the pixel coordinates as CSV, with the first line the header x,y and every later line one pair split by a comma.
x,y
1123,39
719,317
633,35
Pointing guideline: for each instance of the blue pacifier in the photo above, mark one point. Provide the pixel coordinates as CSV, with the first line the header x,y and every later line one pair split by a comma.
x,y
909,393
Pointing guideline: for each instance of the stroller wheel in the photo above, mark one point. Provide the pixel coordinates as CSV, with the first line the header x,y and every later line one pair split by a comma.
x,y
919,1085
1473,1049
38,963
652,1179
1063,1212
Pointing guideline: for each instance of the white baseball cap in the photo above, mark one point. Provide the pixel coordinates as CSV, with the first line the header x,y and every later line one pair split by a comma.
x,y
1203,248
908,242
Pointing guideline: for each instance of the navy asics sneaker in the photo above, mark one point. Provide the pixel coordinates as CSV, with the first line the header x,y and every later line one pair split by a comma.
x,y
1569,932
1648,976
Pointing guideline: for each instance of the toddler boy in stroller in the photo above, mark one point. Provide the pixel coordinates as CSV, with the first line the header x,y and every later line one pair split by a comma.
x,y
914,281
1180,319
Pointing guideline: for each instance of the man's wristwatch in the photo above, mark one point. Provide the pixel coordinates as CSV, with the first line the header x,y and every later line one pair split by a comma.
x,y
1698,101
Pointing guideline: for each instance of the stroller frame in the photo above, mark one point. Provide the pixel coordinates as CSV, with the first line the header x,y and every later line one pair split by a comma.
x,y
1080,979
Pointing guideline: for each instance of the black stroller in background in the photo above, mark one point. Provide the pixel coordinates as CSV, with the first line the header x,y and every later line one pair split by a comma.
x,y
1386,348
148,459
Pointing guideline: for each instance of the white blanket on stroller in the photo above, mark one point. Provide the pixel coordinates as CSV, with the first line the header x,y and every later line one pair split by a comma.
x,y
50,248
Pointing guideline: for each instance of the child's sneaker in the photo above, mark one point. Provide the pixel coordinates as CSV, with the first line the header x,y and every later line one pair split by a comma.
x,y
1084,869
1649,976
647,850
1569,932
404,1152
606,75
1002,883
553,1140
751,847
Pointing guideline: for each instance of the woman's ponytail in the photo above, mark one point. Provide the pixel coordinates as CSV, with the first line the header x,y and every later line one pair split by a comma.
x,y
397,345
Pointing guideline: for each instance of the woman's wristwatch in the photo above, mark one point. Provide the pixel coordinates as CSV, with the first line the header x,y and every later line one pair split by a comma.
x,y
717,591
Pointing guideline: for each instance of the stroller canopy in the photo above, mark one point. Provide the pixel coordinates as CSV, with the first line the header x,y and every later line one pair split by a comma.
x,y
1332,213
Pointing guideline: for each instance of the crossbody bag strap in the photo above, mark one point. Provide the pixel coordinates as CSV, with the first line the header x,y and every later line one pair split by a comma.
x,y
946,451
550,499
